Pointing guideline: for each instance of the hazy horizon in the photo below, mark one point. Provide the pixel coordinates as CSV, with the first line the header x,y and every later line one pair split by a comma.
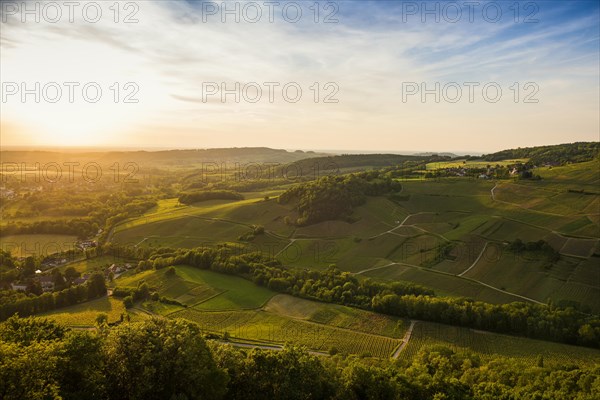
x,y
160,148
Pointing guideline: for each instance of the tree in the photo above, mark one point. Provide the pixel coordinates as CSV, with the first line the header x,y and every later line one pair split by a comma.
x,y
128,302
96,286
101,319
71,274
25,331
161,359
290,374
42,360
29,267
28,372
34,286
58,279
142,292
368,383
79,366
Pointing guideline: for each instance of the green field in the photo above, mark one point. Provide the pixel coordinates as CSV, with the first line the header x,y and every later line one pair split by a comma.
x,y
204,290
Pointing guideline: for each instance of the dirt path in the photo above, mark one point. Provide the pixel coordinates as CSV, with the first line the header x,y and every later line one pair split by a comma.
x,y
374,268
509,293
492,192
274,347
476,261
141,241
252,345
456,276
292,240
405,339
401,224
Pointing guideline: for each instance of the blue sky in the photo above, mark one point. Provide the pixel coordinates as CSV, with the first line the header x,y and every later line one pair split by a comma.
x,y
370,57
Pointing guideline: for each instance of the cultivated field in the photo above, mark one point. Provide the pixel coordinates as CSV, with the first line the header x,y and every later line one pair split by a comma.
x,y
84,314
223,303
434,236
37,245
487,345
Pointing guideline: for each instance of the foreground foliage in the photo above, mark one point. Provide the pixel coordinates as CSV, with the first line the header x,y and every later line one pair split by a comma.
x,y
170,359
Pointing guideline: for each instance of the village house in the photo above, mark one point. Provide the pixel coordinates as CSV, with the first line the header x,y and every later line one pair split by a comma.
x,y
80,281
47,283
18,286
53,262
115,269
86,244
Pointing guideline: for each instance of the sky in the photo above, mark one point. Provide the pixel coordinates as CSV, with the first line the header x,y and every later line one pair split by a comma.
x,y
349,75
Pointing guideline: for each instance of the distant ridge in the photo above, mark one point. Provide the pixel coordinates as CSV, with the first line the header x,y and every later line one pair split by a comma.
x,y
168,157
553,154
433,153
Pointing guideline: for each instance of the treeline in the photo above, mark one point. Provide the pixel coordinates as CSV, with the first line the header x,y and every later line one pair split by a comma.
x,y
331,285
331,165
334,197
110,210
523,319
204,195
399,299
161,359
561,154
80,227
94,288
143,292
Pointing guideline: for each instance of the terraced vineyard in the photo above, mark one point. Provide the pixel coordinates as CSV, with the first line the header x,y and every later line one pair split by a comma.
x,y
451,234
488,345
223,303
271,328
84,314
337,316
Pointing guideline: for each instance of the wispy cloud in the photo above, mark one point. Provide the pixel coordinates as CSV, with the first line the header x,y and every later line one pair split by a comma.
x,y
174,49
